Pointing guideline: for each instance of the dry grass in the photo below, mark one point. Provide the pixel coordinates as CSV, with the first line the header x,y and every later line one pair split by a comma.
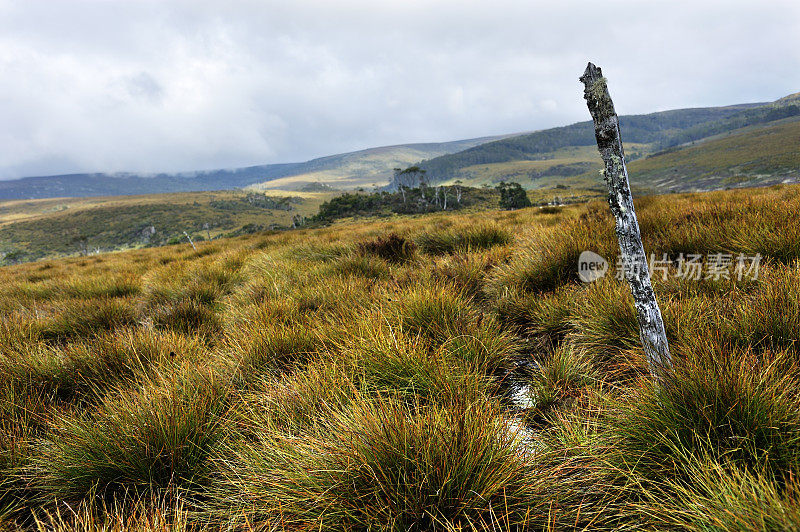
x,y
344,378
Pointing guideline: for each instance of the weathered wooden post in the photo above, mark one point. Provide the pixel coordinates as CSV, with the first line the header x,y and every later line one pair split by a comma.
x,y
609,142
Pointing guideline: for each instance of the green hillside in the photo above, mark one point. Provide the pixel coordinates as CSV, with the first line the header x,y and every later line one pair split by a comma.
x,y
754,156
366,168
565,158
655,129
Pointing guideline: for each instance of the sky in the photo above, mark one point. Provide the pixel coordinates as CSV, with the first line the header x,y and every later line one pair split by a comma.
x,y
171,85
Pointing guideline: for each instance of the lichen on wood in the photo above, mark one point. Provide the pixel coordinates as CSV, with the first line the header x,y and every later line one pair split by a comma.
x,y
620,199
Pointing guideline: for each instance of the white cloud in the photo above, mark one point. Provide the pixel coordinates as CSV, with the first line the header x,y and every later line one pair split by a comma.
x,y
153,85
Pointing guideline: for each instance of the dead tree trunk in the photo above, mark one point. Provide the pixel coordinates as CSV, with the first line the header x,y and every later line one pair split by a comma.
x,y
609,142
190,240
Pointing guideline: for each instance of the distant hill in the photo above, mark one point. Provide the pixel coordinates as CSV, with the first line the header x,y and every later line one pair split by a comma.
x,y
565,158
759,155
348,170
660,129
119,184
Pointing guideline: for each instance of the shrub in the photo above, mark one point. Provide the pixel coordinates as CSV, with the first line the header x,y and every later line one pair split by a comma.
x,y
513,196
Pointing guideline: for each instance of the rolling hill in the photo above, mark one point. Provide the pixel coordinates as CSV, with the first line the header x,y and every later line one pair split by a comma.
x,y
755,156
351,170
565,157
557,158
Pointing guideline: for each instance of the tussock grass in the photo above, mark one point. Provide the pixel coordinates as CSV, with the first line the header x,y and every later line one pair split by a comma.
x,y
260,346
293,403
384,465
102,286
768,316
153,438
550,259
725,498
187,315
318,252
470,238
562,378
385,360
187,299
392,248
23,418
336,379
468,272
364,266
450,320
78,318
131,513
738,409
81,370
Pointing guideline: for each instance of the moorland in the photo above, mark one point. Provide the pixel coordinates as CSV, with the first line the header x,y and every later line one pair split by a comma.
x,y
436,371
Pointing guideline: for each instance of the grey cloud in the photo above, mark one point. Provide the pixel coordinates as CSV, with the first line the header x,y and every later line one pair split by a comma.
x,y
143,85
155,85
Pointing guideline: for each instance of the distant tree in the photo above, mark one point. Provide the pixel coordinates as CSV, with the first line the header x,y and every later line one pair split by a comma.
x,y
82,240
411,177
513,196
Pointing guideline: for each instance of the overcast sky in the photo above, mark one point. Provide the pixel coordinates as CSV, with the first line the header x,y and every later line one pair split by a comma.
x,y
171,85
